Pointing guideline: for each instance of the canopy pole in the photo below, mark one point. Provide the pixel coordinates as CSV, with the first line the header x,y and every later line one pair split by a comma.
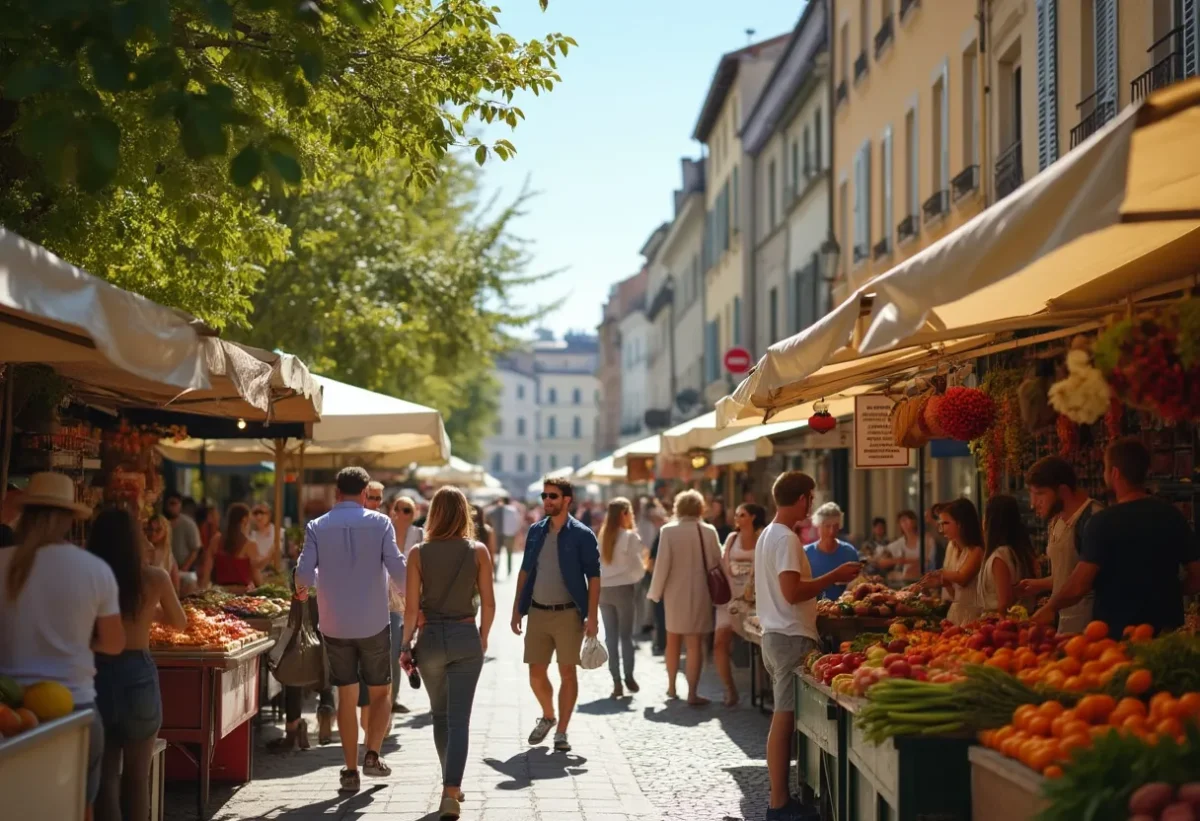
x,y
6,448
203,472
921,507
300,488
276,549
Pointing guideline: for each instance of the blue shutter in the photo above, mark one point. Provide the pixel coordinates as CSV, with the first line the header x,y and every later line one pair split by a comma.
x,y
1047,81
1191,53
737,321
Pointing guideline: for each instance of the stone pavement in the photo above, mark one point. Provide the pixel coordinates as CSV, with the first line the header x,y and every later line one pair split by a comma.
x,y
638,759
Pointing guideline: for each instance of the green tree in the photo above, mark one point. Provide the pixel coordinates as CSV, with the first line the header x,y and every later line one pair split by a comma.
x,y
147,141
402,291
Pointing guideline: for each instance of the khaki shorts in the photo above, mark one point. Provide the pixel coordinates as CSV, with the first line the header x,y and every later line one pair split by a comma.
x,y
783,656
551,633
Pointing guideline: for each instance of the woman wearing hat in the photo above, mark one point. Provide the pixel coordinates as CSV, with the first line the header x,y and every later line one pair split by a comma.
x,y
41,637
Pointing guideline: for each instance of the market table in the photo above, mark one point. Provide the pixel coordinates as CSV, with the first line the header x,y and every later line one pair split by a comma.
x,y
209,698
268,686
820,740
750,634
1003,789
43,771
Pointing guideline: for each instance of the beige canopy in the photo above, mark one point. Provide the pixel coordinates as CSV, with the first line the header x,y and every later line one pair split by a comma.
x,y
1116,219
641,448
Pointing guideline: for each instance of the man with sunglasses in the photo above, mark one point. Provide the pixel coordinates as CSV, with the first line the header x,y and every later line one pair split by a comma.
x,y
559,589
375,497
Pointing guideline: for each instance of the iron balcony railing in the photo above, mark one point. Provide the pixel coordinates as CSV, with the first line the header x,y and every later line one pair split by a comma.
x,y
1165,71
841,93
1009,172
883,36
965,182
1098,113
882,248
907,228
937,205
861,251
906,6
860,65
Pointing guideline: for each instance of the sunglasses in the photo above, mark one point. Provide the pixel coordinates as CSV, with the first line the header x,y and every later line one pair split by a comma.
x,y
551,496
374,498
407,511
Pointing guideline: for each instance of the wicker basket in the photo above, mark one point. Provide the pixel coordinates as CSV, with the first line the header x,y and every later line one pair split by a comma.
x,y
907,425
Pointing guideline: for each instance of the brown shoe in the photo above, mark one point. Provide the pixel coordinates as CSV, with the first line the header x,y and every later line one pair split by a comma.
x,y
324,725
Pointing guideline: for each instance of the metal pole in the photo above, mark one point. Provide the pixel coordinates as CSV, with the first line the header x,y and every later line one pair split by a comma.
x,y
921,504
203,471
8,431
276,549
300,488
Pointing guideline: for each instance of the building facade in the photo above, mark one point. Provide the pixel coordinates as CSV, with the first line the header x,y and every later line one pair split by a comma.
x,y
635,333
511,452
623,297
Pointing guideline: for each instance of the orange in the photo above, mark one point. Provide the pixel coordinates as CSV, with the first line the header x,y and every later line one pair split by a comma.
x,y
1126,707
987,737
10,722
1028,749
1076,647
1163,705
1074,684
1000,736
1095,708
1011,746
1058,724
1139,681
1134,724
1054,709
1093,669
1039,726
1076,727
28,719
1127,632
1069,666
1169,727
1053,771
999,662
1189,705
1101,730
1095,631
1143,632
1042,757
1023,715
1055,679
1111,656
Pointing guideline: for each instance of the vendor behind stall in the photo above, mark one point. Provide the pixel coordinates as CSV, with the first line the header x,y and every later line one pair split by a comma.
x,y
1132,552
829,552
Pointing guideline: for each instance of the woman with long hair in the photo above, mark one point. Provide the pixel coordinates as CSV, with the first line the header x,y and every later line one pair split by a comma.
x,y
621,569
58,604
959,523
903,556
230,558
686,547
127,689
158,547
718,517
1008,555
484,532
738,561
444,573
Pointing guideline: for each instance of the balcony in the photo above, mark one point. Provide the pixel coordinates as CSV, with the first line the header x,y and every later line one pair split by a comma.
x,y
966,182
907,6
1098,113
861,252
907,229
936,206
883,36
841,93
882,248
1009,173
860,66
1165,71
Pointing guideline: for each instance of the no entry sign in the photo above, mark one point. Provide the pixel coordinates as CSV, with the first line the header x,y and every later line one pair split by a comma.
x,y
737,360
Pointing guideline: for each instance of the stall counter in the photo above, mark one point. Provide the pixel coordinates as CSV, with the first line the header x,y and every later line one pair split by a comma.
x,y
43,772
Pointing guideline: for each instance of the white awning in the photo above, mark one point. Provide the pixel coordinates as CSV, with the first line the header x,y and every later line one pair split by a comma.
x,y
700,433
458,472
641,448
602,471
755,442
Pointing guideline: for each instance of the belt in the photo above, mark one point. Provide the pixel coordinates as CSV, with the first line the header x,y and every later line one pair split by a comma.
x,y
556,608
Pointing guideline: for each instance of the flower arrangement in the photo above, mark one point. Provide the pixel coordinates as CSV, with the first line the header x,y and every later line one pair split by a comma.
x,y
1152,362
1000,446
1084,395
133,440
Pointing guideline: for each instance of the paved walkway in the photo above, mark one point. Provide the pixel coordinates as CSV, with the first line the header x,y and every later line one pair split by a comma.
x,y
639,759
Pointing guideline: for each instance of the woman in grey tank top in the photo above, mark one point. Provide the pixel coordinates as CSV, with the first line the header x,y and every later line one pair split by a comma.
x,y
444,573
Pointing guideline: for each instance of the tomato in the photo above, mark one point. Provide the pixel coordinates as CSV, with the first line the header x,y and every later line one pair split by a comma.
x,y
1143,632
1052,709
1169,727
1139,681
1189,705
1039,725
1070,666
1163,705
1076,647
1095,631
1053,771
1023,715
1095,708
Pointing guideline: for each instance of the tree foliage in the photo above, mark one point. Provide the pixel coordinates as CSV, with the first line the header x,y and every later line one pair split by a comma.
x,y
400,291
148,141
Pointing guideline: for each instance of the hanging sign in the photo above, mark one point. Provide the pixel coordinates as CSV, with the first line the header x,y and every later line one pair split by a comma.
x,y
874,444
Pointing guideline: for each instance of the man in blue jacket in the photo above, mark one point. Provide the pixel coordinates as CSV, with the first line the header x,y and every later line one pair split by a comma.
x,y
559,589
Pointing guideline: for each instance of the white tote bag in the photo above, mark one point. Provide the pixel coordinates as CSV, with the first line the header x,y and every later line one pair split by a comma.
x,y
593,656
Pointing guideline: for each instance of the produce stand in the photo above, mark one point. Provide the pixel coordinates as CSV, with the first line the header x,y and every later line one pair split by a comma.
x,y
820,739
1003,789
158,781
43,771
269,687
208,701
747,629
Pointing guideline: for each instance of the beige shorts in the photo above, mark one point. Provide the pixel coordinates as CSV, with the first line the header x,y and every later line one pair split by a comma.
x,y
553,633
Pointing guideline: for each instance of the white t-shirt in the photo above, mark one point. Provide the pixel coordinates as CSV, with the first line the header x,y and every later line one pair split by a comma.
x,y
46,633
779,551
626,566
264,541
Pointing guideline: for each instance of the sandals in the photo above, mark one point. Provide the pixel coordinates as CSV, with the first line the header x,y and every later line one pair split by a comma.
x,y
732,699
294,738
450,810
375,766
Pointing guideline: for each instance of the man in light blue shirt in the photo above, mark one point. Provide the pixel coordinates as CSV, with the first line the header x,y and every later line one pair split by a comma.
x,y
353,551
829,552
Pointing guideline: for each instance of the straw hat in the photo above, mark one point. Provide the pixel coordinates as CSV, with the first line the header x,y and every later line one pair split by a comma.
x,y
53,490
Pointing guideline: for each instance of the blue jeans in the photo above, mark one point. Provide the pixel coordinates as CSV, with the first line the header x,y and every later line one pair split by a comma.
x,y
450,658
397,627
127,696
617,606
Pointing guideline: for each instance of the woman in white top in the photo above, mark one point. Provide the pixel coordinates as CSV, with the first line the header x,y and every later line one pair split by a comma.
x,y
622,566
41,637
1008,555
738,561
902,558
262,534
158,548
959,521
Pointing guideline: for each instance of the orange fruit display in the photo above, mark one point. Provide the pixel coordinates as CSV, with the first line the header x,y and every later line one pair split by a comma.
x,y
1139,681
10,722
1095,631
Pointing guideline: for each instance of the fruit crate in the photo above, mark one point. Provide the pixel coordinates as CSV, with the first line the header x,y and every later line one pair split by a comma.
x,y
1003,789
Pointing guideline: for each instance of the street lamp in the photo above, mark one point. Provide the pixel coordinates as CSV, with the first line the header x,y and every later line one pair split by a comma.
x,y
830,254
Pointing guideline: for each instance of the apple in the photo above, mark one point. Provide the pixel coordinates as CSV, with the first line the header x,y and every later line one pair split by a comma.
x,y
876,651
977,641
919,673
897,645
891,659
899,669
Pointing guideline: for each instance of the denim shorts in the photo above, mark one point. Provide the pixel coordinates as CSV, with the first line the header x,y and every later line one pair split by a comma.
x,y
128,696
348,658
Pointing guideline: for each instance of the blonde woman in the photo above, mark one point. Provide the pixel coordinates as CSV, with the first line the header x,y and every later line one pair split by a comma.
x,y
444,573
621,570
41,637
158,548
687,548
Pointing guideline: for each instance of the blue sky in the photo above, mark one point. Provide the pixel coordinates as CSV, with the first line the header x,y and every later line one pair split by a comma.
x,y
602,150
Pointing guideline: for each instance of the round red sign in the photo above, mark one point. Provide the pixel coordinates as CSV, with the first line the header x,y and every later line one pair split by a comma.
x,y
737,360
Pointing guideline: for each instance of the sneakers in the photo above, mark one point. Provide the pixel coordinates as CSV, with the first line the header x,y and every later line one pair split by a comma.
x,y
399,709
541,730
561,745
794,810
375,766
350,782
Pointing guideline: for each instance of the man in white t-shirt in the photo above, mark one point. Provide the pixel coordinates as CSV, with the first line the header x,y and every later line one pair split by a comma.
x,y
786,594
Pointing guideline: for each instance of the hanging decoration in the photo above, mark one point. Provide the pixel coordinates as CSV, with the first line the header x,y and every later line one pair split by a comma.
x,y
1033,397
1001,446
1114,417
1068,437
1152,361
966,413
822,420
1084,395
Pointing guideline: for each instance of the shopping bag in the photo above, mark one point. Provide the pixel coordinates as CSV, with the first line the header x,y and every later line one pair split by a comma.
x,y
298,658
593,656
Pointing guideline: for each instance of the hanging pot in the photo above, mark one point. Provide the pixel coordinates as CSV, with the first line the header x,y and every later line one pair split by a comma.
x,y
822,420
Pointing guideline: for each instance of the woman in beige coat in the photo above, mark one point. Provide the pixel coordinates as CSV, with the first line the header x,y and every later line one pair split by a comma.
x,y
680,582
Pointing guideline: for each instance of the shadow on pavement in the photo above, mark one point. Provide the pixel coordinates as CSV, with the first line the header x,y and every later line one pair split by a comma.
x,y
750,736
607,706
538,764
755,785
340,806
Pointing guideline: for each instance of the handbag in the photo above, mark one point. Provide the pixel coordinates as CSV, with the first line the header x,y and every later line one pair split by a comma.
x,y
593,655
714,577
298,658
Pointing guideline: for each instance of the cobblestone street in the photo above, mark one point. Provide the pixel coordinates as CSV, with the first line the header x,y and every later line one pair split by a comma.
x,y
639,759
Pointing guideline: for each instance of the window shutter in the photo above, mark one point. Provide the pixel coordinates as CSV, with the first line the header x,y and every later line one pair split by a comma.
x,y
885,160
945,124
1106,54
737,320
1047,81
817,141
737,201
1191,51
789,300
866,154
914,159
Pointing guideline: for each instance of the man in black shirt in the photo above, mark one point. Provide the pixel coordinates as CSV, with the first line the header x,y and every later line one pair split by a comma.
x,y
1132,552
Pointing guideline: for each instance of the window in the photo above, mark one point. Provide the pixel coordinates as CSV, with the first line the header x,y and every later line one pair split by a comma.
x,y
862,202
771,195
520,391
711,344
551,427
864,12
796,163
773,315
553,462
575,461
970,113
577,396
885,164
818,162
808,167
912,153
846,53
577,428
552,397
520,426
843,220
940,123
537,463
737,320
498,463
737,200
520,463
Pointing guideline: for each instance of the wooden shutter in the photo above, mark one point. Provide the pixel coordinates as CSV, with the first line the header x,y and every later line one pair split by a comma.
x,y
944,160
1191,48
1047,80
885,162
866,155
1106,55
789,301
